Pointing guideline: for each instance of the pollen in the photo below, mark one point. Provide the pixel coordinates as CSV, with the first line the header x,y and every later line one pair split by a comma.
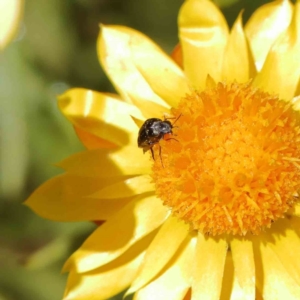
x,y
232,165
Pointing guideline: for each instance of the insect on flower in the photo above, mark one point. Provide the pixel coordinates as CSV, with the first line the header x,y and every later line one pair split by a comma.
x,y
152,131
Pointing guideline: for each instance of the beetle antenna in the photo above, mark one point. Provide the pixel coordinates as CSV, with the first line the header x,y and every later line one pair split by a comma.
x,y
176,119
173,119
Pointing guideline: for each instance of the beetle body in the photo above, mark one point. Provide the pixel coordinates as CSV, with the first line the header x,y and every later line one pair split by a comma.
x,y
152,131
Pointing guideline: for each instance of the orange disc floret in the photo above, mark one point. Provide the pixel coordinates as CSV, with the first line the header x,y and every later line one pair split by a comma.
x,y
234,165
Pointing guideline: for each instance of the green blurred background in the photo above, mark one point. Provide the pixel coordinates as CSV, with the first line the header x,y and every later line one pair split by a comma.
x,y
56,49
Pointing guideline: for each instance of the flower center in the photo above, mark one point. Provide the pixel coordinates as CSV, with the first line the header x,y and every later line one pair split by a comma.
x,y
233,164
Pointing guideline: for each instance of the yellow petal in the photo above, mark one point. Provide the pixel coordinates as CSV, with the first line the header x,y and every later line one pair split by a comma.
x,y
272,279
296,210
65,198
295,222
265,25
210,82
139,123
117,48
170,236
103,163
160,71
126,188
177,55
228,278
280,73
149,108
244,268
174,283
208,268
238,64
287,248
124,229
203,35
296,102
104,282
101,115
297,94
11,12
91,141
258,295
230,285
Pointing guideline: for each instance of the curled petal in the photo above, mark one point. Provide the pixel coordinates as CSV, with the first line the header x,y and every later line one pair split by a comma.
x,y
56,200
163,75
101,115
126,188
203,35
171,235
103,163
150,109
238,64
118,48
177,55
104,282
137,219
174,283
265,25
280,73
91,141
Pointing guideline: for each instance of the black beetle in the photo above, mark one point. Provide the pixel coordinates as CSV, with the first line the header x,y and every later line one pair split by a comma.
x,y
152,131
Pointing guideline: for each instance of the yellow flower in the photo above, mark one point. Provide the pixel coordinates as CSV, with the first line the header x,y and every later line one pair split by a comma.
x,y
216,214
10,16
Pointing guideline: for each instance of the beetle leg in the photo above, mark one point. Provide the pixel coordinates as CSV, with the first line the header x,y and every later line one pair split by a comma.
x,y
152,153
160,156
172,139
